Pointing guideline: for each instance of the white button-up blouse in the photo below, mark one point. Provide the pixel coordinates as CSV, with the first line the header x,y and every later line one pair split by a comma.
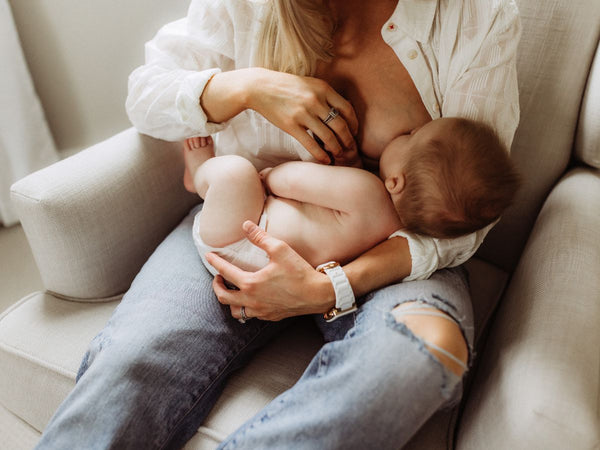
x,y
460,54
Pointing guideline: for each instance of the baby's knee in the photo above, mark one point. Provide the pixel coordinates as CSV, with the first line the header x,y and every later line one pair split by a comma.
x,y
232,167
440,333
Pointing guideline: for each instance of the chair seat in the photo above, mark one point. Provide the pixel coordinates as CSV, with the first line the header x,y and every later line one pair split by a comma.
x,y
43,338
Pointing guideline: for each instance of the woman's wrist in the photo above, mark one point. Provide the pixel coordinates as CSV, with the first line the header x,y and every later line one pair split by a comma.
x,y
229,93
251,80
322,295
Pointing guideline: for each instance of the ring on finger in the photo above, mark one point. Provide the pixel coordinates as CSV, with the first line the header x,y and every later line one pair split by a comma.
x,y
244,317
333,113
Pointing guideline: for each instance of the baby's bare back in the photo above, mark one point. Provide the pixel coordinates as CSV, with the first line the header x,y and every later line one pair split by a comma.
x,y
321,234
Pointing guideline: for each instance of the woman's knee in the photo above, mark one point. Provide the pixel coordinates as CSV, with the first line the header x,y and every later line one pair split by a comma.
x,y
440,333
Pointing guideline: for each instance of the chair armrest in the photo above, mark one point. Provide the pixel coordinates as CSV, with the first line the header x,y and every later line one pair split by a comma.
x,y
93,219
537,382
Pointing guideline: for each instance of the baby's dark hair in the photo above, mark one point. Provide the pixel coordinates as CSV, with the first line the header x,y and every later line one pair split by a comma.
x,y
459,183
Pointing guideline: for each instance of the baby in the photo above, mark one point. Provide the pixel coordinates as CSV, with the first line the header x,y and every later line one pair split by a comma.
x,y
447,178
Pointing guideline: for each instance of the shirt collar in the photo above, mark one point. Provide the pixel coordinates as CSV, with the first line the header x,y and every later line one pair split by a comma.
x,y
415,17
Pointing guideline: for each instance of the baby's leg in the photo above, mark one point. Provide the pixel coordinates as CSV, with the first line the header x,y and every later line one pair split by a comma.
x,y
232,193
193,161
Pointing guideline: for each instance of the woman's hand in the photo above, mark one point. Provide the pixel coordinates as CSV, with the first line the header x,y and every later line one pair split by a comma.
x,y
287,286
349,158
293,103
297,104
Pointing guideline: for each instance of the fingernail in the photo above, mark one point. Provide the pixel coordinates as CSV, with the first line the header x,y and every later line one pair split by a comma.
x,y
248,225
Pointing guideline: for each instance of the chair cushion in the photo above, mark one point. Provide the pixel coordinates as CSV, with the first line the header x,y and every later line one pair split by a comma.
x,y
42,341
43,338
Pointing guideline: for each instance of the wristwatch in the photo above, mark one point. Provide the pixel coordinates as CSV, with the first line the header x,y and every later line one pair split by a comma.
x,y
345,303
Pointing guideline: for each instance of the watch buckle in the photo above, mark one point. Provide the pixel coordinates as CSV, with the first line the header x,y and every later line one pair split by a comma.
x,y
335,313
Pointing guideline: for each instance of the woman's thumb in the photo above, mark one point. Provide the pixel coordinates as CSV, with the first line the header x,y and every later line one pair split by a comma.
x,y
260,237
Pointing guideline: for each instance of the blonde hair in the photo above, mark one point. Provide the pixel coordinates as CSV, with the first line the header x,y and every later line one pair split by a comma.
x,y
295,36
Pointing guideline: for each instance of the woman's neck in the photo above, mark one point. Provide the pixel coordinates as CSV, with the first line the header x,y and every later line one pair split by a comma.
x,y
356,19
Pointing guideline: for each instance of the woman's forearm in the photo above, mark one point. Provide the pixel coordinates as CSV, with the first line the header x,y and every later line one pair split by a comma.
x,y
227,94
387,263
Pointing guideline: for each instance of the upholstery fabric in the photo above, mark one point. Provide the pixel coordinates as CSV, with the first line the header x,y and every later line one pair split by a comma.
x,y
93,219
43,338
555,53
15,433
587,142
537,386
42,341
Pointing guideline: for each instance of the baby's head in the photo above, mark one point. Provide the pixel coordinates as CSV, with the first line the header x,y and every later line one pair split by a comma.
x,y
448,178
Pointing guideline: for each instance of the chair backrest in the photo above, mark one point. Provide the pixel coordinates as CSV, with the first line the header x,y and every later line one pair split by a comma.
x,y
557,48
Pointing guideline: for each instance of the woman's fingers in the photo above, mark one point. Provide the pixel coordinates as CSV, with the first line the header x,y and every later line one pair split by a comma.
x,y
347,111
276,291
259,237
337,134
326,134
340,128
310,144
231,273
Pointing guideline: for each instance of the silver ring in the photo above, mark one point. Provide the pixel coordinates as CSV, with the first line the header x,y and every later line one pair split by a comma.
x,y
333,113
244,317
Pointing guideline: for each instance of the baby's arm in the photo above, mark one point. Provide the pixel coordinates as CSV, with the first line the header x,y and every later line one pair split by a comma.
x,y
344,189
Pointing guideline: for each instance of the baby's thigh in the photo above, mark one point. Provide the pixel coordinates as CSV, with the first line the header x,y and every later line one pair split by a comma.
x,y
235,194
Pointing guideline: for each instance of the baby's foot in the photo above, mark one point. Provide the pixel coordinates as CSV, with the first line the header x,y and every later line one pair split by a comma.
x,y
195,152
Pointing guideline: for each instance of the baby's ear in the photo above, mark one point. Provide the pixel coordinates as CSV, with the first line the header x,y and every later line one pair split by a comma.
x,y
395,184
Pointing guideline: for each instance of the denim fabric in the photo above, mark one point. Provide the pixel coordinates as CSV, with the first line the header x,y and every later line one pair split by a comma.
x,y
151,376
373,384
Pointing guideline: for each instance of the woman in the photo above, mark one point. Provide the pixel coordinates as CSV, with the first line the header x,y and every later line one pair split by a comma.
x,y
152,375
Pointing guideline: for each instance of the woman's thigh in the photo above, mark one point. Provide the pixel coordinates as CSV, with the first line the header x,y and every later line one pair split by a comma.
x,y
437,310
374,382
152,374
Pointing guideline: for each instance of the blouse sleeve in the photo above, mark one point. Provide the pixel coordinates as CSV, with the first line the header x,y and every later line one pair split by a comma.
x,y
164,94
430,254
483,87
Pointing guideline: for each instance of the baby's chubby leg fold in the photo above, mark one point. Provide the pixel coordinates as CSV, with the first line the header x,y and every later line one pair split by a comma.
x,y
233,193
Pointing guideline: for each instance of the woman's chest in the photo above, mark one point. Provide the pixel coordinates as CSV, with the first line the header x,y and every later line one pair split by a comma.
x,y
383,95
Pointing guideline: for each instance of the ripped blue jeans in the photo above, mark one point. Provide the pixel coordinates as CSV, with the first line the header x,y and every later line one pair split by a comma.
x,y
152,375
374,383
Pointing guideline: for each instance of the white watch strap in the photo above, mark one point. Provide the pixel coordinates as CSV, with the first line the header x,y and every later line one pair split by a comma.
x,y
345,301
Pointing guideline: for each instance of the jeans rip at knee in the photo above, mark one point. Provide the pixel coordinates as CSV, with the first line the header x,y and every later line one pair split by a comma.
x,y
451,382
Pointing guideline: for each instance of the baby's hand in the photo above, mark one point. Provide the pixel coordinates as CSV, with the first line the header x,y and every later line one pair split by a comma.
x,y
199,142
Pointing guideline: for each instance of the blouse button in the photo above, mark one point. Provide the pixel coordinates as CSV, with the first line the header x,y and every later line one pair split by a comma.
x,y
412,54
391,26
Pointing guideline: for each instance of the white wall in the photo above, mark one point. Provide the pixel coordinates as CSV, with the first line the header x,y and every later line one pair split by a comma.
x,y
80,53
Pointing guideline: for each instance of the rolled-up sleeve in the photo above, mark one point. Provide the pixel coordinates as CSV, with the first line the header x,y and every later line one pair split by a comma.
x,y
431,254
164,94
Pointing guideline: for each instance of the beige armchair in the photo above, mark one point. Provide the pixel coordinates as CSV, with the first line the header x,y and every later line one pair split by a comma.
x,y
94,218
